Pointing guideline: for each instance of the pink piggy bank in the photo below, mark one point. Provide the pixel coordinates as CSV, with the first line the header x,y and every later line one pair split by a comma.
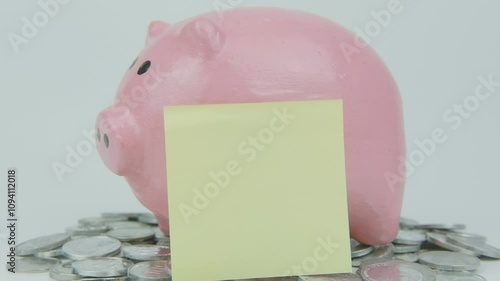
x,y
260,55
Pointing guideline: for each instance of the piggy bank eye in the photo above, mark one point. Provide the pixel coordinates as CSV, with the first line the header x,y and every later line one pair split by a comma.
x,y
144,67
133,63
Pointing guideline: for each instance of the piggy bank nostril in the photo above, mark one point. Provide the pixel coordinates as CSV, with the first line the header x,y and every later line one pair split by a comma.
x,y
144,67
106,140
98,134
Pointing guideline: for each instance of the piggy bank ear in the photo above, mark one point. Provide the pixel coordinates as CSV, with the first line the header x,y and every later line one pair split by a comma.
x,y
155,28
205,36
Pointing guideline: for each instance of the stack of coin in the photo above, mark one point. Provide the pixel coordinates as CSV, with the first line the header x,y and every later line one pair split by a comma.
x,y
130,246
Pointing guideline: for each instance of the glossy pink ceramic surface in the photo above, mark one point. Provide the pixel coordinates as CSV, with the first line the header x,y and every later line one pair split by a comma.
x,y
260,55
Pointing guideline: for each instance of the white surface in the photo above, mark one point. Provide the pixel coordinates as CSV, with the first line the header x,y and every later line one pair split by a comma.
x,y
58,82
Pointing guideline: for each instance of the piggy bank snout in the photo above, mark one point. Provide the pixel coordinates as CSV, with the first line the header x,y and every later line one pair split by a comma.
x,y
116,140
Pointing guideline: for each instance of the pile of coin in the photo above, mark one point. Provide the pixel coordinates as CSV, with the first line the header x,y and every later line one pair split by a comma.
x,y
130,246
115,246
422,252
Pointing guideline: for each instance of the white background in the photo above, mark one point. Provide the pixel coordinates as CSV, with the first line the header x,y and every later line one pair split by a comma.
x,y
53,88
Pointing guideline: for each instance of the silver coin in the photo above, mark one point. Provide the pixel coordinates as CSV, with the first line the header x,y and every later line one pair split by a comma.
x,y
148,218
131,234
442,241
396,270
476,246
373,261
63,272
383,251
440,231
457,276
65,260
34,265
41,244
466,236
116,278
101,220
146,252
331,277
410,237
102,267
130,216
91,247
87,229
359,250
150,270
354,243
163,243
286,278
120,254
50,254
406,223
408,257
143,242
441,226
159,235
449,261
125,224
76,237
403,249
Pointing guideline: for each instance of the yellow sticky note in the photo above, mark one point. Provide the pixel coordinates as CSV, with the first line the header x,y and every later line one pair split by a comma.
x,y
256,190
